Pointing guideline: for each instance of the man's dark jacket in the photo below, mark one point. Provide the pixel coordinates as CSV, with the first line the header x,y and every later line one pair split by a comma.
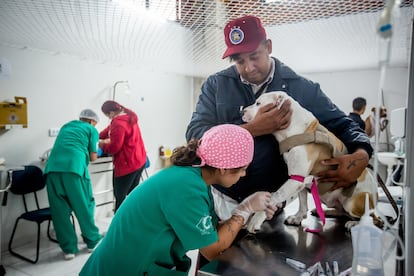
x,y
222,97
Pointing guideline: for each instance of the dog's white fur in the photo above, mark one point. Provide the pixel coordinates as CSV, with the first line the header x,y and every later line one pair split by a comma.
x,y
303,160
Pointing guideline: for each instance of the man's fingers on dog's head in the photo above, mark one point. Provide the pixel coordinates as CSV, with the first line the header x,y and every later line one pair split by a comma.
x,y
267,107
285,105
287,117
332,161
284,125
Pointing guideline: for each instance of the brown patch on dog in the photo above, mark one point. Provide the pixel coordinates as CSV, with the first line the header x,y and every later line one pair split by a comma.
x,y
312,126
369,128
316,153
339,145
362,176
358,207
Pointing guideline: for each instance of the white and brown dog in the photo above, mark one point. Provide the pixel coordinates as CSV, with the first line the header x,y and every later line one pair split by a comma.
x,y
304,144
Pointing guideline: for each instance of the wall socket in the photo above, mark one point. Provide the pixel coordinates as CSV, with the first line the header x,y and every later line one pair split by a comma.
x,y
53,132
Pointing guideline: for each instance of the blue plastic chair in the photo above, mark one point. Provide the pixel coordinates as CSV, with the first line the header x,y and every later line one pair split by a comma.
x,y
25,183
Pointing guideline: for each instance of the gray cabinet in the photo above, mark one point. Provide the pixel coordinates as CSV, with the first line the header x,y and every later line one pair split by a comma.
x,y
101,171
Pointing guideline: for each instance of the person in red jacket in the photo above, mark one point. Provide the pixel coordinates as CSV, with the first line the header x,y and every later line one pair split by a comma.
x,y
122,139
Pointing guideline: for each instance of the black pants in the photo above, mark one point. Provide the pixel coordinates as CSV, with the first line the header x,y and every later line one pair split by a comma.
x,y
123,185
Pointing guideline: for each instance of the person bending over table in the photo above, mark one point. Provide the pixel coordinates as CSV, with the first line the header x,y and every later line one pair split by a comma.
x,y
172,212
68,183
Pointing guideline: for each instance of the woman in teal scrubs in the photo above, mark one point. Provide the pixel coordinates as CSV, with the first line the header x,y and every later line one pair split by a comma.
x,y
172,212
68,183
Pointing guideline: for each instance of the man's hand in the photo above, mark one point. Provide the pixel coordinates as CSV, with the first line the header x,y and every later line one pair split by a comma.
x,y
349,168
269,118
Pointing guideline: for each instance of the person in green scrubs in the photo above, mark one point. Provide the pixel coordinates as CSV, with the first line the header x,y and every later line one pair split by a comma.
x,y
172,211
68,183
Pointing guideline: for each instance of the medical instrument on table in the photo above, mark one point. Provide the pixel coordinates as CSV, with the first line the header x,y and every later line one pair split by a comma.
x,y
321,272
317,269
335,268
328,269
311,270
296,264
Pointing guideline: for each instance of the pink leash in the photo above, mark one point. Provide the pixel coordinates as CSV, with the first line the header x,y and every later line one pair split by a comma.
x,y
316,199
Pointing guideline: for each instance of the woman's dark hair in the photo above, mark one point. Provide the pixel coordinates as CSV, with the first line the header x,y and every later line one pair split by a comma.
x,y
186,155
112,106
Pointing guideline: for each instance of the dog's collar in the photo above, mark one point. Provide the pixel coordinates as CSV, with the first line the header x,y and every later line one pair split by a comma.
x,y
300,178
316,133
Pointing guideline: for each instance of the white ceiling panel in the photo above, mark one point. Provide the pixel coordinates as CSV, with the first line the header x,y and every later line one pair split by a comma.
x,y
308,35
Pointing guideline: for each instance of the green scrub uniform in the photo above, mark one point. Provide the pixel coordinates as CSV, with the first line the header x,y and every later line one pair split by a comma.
x,y
69,187
167,215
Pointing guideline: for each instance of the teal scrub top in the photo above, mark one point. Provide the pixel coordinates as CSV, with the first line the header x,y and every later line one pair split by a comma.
x,y
164,217
70,153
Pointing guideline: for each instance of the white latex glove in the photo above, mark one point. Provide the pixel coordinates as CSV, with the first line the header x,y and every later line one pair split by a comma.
x,y
258,201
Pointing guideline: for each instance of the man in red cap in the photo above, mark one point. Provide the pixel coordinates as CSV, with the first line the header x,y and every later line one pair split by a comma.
x,y
224,94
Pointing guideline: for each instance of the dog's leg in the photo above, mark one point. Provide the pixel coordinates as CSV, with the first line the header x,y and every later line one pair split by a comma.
x,y
290,188
302,212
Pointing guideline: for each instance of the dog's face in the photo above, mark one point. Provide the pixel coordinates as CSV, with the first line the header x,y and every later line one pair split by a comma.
x,y
276,97
383,111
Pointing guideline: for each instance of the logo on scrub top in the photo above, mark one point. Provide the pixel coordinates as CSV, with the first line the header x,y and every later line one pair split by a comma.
x,y
205,225
236,35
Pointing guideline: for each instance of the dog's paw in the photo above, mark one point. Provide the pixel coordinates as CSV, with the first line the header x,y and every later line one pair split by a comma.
x,y
295,219
256,221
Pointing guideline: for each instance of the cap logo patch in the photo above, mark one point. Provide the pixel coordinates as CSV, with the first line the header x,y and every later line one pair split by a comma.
x,y
236,35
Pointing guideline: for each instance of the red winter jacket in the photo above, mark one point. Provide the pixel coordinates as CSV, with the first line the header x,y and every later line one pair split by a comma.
x,y
126,146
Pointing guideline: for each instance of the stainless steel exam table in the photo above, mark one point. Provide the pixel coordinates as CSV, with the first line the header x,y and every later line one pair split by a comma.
x,y
265,253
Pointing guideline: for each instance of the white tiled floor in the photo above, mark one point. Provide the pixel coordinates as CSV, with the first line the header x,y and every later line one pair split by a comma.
x,y
51,260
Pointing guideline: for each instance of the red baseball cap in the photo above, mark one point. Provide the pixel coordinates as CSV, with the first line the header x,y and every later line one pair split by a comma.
x,y
243,35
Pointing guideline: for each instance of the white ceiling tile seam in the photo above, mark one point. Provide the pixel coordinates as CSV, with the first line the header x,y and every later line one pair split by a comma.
x,y
104,31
